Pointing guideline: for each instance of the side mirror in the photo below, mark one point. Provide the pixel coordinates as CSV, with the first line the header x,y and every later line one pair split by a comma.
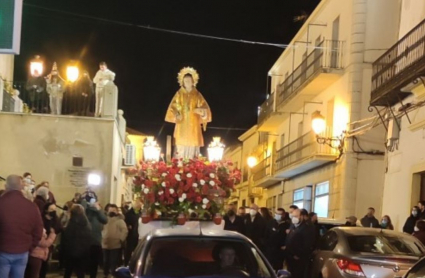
x,y
283,274
122,272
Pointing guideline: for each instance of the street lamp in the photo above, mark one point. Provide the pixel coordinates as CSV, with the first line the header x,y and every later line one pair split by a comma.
x,y
215,150
93,179
72,72
251,161
318,124
36,66
151,149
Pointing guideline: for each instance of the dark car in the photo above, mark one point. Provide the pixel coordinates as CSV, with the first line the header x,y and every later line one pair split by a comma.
x,y
196,253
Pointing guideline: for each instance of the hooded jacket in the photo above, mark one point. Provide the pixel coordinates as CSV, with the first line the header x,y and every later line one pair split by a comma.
x,y
114,233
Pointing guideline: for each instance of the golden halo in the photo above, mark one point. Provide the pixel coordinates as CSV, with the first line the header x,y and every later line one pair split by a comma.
x,y
188,70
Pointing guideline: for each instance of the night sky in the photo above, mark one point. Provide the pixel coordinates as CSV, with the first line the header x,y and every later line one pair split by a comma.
x,y
146,62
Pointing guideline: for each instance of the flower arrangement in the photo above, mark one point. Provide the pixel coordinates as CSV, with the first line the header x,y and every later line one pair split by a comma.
x,y
193,188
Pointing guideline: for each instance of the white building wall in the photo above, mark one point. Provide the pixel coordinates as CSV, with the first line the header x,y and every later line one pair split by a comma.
x,y
6,66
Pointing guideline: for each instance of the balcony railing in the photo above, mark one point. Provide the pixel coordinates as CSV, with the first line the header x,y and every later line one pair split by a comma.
x,y
263,169
266,108
302,148
327,55
400,65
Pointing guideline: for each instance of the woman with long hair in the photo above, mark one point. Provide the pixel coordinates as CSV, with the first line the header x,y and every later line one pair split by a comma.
x,y
76,241
386,223
265,213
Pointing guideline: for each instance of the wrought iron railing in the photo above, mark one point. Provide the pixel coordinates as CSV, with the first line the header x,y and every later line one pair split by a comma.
x,y
304,147
8,103
398,66
266,108
263,169
327,55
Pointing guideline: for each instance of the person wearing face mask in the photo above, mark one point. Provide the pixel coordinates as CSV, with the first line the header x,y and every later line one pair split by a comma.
x,y
419,232
41,198
275,239
233,222
386,223
255,226
113,236
411,221
299,246
51,224
132,221
369,221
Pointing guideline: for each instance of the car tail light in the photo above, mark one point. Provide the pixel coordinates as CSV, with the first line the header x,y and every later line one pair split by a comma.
x,y
351,268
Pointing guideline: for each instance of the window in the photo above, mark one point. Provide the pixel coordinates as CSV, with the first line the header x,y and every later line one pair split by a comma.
x,y
328,241
299,198
321,199
387,245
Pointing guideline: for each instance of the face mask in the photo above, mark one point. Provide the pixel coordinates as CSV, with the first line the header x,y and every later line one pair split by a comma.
x,y
416,229
384,223
414,213
52,214
112,214
278,217
291,216
231,213
295,221
253,212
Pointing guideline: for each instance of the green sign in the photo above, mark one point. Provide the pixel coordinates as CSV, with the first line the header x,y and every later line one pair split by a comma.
x,y
10,12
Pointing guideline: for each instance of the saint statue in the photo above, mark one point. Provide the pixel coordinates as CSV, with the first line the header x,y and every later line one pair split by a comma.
x,y
188,110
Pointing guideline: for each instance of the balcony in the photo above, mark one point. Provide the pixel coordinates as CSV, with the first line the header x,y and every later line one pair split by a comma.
x,y
302,155
322,67
400,65
263,173
268,117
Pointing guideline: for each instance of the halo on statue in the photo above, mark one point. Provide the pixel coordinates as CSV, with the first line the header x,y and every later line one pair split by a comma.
x,y
188,70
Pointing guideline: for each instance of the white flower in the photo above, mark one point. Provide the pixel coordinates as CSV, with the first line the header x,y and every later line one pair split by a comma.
x,y
212,175
180,164
160,192
143,186
205,201
158,212
146,190
189,175
202,182
177,176
181,199
196,207
212,183
171,191
184,196
195,184
163,184
164,174
156,204
204,206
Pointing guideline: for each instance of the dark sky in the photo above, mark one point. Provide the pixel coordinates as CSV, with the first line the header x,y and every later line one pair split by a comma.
x,y
233,75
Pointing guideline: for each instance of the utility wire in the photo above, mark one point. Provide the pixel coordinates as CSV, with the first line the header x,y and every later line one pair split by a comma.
x,y
148,27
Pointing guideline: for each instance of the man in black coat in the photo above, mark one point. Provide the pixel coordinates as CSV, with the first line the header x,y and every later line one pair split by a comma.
x,y
233,222
132,221
369,221
299,246
255,226
275,239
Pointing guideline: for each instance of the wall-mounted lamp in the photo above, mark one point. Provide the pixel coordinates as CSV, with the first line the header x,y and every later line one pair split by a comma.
x,y
318,124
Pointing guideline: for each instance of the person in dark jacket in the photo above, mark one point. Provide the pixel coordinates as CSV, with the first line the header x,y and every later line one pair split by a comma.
x,y
421,205
47,185
21,228
314,221
41,198
409,226
97,218
132,221
76,241
369,221
255,226
299,246
419,232
351,221
275,239
233,222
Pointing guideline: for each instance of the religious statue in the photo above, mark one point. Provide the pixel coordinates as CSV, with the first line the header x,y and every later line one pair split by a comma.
x,y
55,89
103,79
188,110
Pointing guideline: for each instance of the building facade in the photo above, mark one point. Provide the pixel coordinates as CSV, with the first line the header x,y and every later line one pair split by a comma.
x,y
398,93
326,68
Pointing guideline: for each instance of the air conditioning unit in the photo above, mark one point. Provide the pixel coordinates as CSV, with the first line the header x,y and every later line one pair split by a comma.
x,y
130,155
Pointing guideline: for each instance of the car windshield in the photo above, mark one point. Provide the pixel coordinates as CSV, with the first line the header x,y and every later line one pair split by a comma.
x,y
189,257
384,245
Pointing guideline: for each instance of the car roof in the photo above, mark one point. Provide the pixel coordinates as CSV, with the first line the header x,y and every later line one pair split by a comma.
x,y
361,231
176,232
332,221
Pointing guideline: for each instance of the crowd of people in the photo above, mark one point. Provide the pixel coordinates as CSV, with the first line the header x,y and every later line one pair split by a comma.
x,y
291,237
84,236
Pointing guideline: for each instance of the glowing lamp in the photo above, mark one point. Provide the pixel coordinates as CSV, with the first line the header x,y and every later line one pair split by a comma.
x,y
318,122
93,179
36,66
72,73
252,161
215,150
151,149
